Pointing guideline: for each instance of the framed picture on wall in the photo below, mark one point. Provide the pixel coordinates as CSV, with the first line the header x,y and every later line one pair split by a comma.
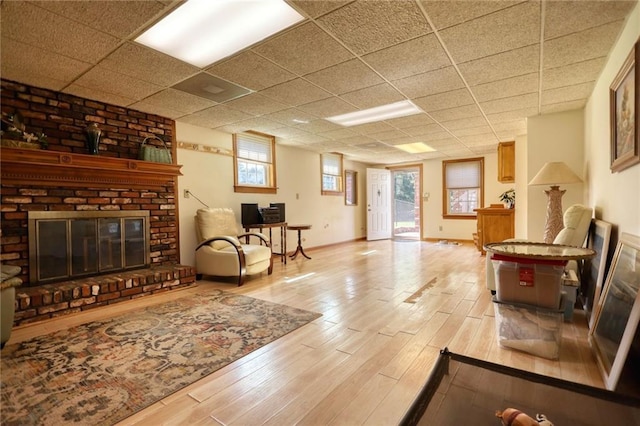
x,y
618,311
624,108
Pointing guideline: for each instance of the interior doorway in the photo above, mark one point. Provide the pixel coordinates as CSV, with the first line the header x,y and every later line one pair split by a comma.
x,y
407,202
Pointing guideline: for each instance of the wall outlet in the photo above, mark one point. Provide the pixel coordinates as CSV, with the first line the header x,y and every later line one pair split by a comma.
x,y
440,228
186,193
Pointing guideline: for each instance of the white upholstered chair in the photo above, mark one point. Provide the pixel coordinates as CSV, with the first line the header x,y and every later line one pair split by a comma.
x,y
576,220
222,250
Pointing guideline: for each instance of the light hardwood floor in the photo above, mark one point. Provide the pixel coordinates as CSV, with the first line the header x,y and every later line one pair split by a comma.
x,y
387,309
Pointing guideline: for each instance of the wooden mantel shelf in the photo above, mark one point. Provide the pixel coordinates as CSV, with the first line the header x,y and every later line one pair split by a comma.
x,y
51,168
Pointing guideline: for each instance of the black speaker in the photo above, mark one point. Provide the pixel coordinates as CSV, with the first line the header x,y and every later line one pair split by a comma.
x,y
280,207
250,214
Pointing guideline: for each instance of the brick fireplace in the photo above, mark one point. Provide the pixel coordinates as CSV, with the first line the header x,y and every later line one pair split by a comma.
x,y
65,178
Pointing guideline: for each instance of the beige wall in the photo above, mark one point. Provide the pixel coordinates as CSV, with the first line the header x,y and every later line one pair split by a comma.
x,y
614,196
552,137
457,229
210,178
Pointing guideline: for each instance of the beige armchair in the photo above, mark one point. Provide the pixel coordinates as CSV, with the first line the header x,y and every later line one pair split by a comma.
x,y
220,251
576,220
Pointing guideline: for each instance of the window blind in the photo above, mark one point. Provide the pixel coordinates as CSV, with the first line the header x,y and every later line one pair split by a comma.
x,y
463,175
331,164
253,148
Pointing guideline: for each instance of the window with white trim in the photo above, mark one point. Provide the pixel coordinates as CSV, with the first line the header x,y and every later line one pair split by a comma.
x,y
254,163
331,174
462,187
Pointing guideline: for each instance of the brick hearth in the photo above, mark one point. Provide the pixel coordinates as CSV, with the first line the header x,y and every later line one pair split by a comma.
x,y
53,300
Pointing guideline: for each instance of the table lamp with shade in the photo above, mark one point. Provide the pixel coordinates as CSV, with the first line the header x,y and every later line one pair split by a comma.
x,y
554,174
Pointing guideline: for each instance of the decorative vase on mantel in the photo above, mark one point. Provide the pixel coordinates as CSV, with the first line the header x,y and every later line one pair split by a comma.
x,y
93,134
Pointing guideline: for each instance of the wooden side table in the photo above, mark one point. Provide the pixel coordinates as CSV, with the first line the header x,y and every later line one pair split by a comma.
x,y
299,249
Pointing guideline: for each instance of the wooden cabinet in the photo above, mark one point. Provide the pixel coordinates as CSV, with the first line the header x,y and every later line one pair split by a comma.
x,y
507,162
495,224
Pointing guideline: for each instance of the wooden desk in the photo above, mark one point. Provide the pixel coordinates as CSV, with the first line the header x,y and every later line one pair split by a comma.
x,y
283,236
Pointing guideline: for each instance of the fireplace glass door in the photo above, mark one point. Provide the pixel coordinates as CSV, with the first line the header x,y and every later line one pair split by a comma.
x,y
64,245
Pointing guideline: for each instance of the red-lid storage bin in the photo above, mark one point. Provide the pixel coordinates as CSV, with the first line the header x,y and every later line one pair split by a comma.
x,y
534,282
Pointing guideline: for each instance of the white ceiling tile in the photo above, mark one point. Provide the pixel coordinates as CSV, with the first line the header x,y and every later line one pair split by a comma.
x,y
288,116
455,98
481,139
340,133
358,141
505,65
148,65
320,126
515,86
289,132
374,24
118,18
508,104
315,8
515,114
389,135
465,123
567,93
255,104
566,17
373,96
410,121
494,33
563,106
305,38
96,94
409,58
179,103
345,77
41,68
295,92
41,28
429,83
371,128
472,131
250,70
578,47
119,84
468,111
327,107
580,72
258,124
424,129
216,116
447,13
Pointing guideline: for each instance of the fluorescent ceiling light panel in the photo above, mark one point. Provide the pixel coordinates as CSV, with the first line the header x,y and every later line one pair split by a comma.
x,y
379,113
415,148
201,32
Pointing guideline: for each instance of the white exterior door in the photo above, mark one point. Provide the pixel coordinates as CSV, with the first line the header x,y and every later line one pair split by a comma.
x,y
378,204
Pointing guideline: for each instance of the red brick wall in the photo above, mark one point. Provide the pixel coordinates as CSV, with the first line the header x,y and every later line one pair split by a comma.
x,y
62,118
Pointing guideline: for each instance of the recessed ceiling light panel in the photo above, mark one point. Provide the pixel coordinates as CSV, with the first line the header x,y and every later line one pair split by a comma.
x,y
201,32
415,148
379,113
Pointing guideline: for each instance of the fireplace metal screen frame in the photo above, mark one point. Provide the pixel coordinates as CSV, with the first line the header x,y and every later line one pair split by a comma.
x,y
34,217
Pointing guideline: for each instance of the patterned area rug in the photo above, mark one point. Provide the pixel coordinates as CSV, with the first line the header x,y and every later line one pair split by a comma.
x,y
102,372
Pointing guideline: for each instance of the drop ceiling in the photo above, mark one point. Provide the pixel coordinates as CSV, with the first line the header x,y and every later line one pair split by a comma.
x,y
477,69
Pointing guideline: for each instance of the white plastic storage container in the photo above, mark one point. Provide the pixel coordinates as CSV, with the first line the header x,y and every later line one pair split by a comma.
x,y
530,329
532,282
